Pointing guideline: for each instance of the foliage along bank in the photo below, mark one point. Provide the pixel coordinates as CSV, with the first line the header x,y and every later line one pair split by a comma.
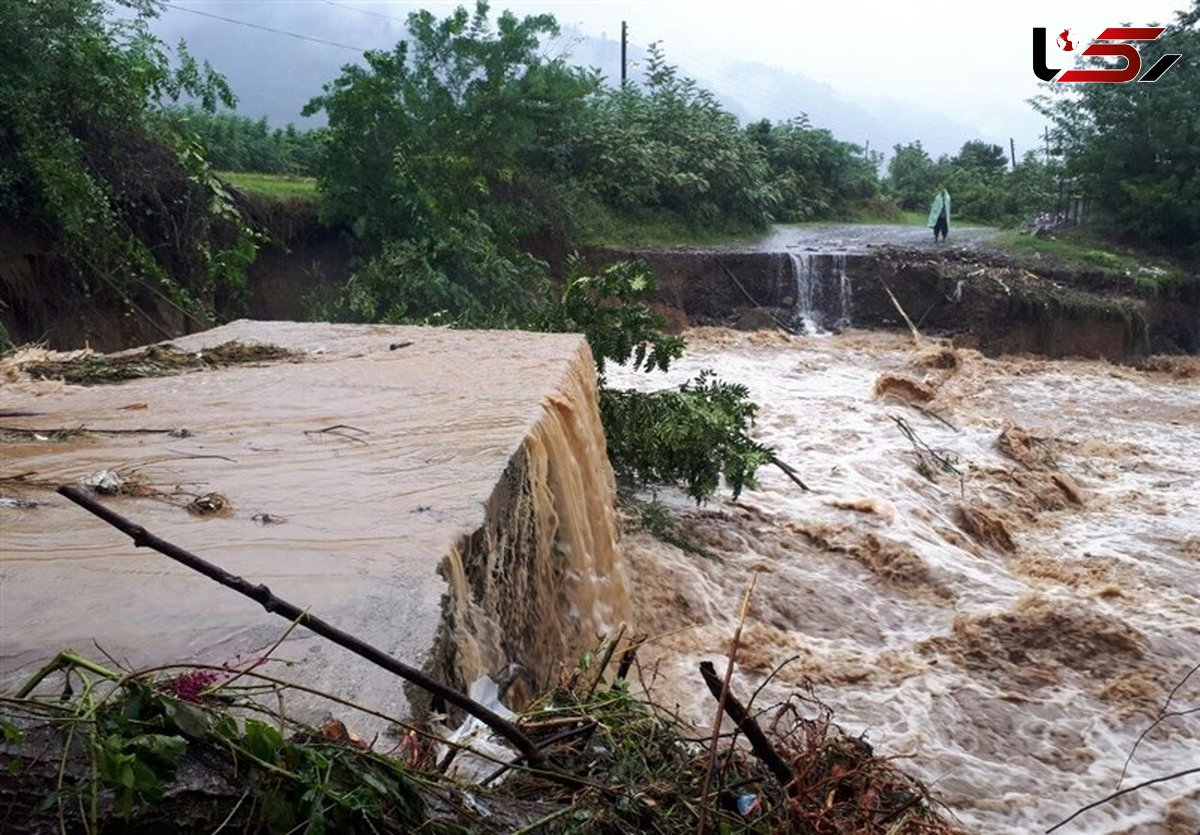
x,y
126,206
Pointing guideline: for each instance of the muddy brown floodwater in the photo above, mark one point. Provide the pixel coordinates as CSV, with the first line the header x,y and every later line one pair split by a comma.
x,y
1012,625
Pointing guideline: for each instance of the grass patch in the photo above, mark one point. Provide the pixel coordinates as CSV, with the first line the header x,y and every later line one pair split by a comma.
x,y
880,210
645,227
1083,250
272,185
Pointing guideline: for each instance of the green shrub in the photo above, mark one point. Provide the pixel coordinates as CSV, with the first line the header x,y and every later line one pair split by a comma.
x,y
692,436
606,306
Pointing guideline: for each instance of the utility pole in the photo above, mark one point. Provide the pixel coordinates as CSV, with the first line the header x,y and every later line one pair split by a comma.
x,y
624,42
1012,147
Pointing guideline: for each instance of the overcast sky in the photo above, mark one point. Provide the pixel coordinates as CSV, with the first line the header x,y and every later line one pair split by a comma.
x,y
969,62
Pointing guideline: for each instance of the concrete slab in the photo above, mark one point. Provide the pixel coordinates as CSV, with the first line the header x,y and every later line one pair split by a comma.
x,y
371,512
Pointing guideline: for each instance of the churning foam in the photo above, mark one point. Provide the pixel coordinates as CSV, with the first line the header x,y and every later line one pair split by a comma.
x,y
1013,622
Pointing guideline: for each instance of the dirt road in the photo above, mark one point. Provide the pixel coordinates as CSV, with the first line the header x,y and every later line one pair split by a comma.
x,y
858,237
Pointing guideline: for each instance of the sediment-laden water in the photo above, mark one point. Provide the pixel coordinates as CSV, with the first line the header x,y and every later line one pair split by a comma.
x,y
1013,622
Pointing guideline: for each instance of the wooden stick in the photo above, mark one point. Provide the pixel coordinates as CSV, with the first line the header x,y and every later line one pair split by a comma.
x,y
1115,795
790,472
262,595
629,656
783,326
82,430
915,333
934,415
749,728
722,696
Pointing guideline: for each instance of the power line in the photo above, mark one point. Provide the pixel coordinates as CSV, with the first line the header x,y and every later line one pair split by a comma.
x,y
365,11
265,28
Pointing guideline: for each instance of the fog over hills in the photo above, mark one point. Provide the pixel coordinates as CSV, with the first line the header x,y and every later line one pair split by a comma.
x,y
274,75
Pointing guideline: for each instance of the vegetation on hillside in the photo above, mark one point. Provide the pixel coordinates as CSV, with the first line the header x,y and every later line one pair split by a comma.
x,y
1135,148
983,187
126,202
232,142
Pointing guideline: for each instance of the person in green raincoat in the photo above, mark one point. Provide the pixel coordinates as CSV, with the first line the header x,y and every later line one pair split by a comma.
x,y
939,214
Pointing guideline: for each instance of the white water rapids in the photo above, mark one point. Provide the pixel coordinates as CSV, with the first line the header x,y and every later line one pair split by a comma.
x,y
1012,627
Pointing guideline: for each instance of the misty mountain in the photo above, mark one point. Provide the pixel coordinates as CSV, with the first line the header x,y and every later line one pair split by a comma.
x,y
757,91
275,75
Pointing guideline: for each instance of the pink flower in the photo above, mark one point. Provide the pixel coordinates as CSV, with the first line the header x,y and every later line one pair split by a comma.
x,y
189,686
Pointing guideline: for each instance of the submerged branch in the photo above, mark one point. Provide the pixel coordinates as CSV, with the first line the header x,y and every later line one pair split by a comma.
x,y
748,727
1117,794
782,325
790,472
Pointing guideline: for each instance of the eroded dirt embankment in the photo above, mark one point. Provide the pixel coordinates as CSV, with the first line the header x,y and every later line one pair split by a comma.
x,y
982,299
42,300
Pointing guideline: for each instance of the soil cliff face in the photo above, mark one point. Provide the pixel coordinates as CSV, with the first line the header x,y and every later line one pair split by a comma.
x,y
982,298
41,300
985,303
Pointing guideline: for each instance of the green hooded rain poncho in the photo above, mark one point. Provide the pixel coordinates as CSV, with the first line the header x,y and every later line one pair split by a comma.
x,y
941,201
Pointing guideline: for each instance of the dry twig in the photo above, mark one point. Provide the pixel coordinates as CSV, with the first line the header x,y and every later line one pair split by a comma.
x,y
721,700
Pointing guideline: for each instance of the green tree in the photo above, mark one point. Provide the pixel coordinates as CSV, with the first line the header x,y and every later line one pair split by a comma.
x,y
912,176
233,142
1135,148
428,156
815,174
128,204
669,146
975,179
981,156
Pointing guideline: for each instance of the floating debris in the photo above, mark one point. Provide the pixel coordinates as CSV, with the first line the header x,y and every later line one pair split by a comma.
x,y
904,388
210,504
86,368
341,430
104,482
19,435
269,519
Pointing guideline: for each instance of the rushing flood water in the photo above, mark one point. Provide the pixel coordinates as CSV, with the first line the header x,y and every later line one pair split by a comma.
x,y
1012,625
